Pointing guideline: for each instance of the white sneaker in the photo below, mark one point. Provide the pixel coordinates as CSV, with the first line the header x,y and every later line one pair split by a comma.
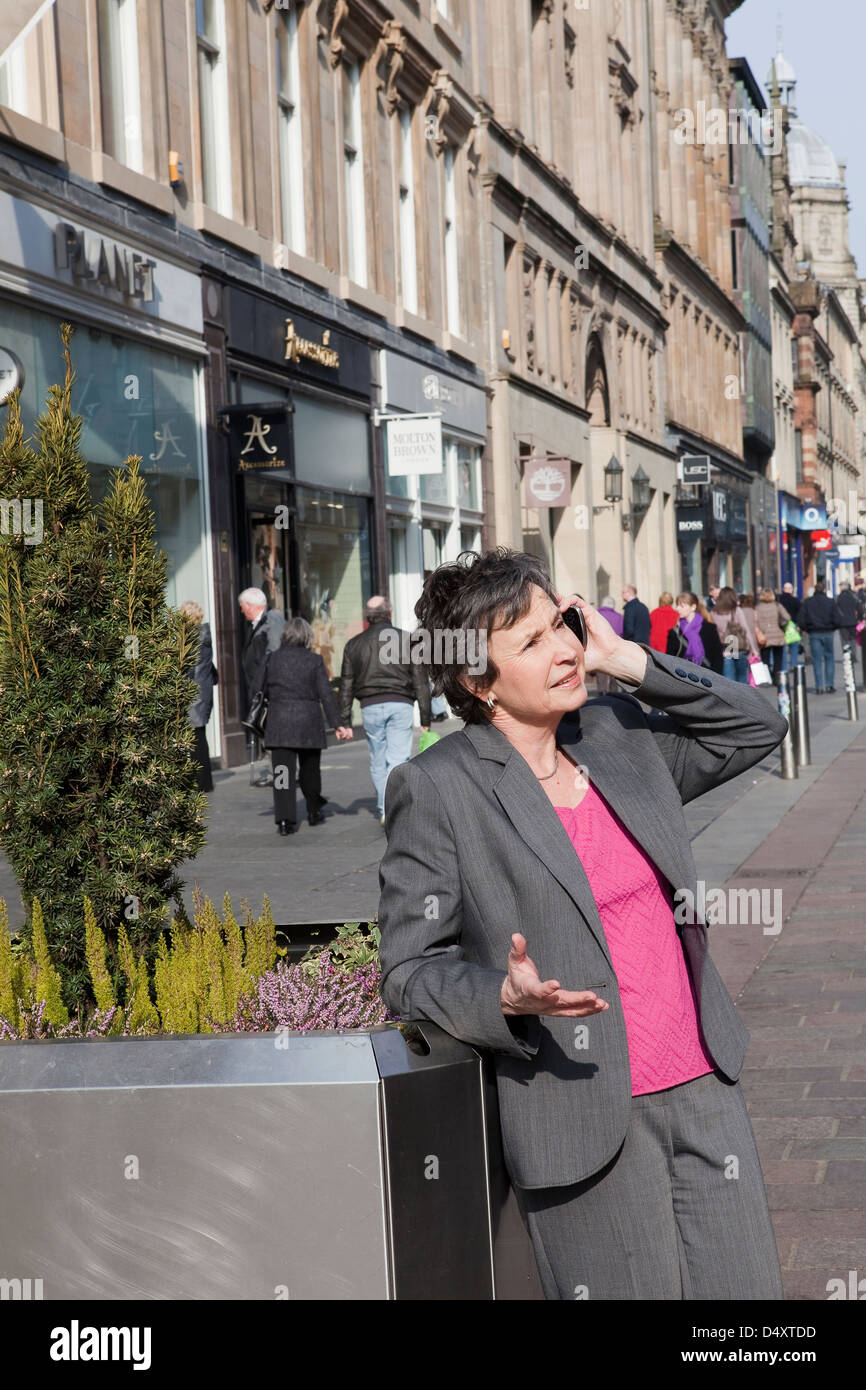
x,y
382,820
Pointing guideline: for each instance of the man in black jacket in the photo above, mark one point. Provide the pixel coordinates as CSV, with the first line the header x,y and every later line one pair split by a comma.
x,y
789,601
819,617
378,672
849,610
635,617
262,637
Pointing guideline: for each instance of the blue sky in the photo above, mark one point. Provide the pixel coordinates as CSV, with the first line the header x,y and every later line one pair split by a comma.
x,y
826,44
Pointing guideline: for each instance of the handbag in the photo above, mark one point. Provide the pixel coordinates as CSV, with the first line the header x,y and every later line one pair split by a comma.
x,y
761,636
257,716
792,632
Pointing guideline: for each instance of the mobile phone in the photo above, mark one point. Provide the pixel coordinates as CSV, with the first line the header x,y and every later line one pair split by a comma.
x,y
574,619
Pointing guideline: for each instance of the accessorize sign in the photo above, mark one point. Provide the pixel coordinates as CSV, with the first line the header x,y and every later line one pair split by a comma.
x,y
414,446
260,438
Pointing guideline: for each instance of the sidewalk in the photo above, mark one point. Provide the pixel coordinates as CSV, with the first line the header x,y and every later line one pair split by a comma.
x,y
802,994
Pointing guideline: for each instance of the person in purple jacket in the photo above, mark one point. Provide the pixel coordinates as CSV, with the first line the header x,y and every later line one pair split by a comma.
x,y
604,683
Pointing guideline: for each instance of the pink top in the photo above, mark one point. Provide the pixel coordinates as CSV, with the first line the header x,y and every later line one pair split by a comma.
x,y
635,904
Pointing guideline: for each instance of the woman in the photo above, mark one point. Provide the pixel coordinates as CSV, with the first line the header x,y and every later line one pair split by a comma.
x,y
603,684
205,677
694,636
296,687
662,619
734,636
771,619
559,819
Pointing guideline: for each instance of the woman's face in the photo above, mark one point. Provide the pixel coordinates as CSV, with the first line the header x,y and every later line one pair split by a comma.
x,y
685,610
541,664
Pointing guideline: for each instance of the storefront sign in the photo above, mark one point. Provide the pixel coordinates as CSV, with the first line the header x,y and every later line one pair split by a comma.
x,y
690,525
412,385
849,552
821,540
272,332
414,446
11,374
58,260
298,347
695,468
98,260
260,437
802,516
548,483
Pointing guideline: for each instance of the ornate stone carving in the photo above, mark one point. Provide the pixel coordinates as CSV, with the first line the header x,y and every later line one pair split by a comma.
x,y
528,268
390,60
331,16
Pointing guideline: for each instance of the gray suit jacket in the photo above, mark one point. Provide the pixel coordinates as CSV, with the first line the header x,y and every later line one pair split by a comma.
x,y
476,851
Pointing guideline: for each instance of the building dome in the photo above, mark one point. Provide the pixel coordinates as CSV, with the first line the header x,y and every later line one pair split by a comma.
x,y
810,159
784,71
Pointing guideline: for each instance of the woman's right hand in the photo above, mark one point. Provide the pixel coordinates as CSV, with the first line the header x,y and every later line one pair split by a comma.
x,y
523,991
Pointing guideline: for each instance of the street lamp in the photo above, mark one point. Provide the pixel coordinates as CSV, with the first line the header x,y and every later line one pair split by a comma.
x,y
640,498
612,485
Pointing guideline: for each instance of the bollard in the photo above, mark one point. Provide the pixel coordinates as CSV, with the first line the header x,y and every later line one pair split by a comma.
x,y
850,681
787,747
801,716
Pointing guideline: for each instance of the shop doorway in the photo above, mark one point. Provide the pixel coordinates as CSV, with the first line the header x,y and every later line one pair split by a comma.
x,y
268,546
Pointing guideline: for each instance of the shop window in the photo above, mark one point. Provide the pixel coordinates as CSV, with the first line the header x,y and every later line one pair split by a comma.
x,y
433,539
434,486
133,399
118,81
290,134
331,445
408,244
335,571
468,482
470,538
353,174
452,258
213,106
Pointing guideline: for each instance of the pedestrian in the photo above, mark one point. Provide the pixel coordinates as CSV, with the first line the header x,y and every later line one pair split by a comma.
x,y
205,677
635,616
819,618
662,619
712,595
771,619
604,684
789,601
849,612
694,637
554,823
737,645
261,637
297,689
386,686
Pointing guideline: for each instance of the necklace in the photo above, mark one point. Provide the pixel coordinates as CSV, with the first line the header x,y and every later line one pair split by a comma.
x,y
547,776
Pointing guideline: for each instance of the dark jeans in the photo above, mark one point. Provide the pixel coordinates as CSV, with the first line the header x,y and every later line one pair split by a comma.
x,y
201,758
775,659
285,782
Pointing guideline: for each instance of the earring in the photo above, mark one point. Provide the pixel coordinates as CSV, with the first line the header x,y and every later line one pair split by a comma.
x,y
491,701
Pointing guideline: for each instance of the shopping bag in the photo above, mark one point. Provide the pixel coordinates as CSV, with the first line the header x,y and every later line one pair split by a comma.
x,y
792,633
761,673
427,739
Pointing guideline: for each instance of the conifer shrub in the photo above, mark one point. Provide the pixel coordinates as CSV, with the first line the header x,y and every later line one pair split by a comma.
x,y
98,794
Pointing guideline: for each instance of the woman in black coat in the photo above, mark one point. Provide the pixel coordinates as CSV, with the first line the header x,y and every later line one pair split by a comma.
x,y
205,677
296,687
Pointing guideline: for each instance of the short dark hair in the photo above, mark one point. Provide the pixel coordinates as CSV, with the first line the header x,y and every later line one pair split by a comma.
x,y
297,633
477,592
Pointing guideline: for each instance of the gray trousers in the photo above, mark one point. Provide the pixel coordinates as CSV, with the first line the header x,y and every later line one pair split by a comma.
x,y
679,1213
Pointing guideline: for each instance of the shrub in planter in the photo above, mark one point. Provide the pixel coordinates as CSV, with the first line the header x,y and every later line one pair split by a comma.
x,y
212,976
97,785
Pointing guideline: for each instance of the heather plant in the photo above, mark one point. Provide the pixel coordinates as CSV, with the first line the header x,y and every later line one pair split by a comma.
x,y
302,999
98,790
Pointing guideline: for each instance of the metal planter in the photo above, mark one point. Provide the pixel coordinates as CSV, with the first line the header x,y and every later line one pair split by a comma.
x,y
255,1166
